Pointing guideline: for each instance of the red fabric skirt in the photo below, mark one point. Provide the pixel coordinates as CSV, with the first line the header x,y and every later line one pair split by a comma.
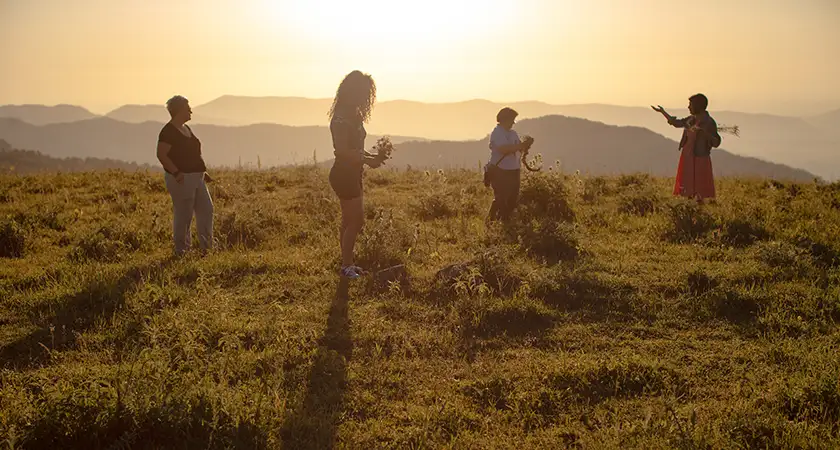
x,y
694,174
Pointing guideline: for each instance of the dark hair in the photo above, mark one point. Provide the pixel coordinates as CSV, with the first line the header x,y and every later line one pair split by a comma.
x,y
355,81
699,100
506,114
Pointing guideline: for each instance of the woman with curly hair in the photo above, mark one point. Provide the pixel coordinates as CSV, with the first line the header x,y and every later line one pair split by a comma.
x,y
350,110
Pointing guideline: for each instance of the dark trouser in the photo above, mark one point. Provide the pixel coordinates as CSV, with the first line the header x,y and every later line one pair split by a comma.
x,y
505,185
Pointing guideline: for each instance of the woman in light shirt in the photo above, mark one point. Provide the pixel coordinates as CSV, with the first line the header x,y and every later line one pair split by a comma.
x,y
503,169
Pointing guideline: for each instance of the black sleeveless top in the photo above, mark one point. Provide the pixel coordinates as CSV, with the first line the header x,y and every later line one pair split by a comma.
x,y
185,152
347,134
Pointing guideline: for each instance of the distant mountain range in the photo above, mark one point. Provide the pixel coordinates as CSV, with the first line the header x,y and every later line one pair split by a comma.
x,y
103,137
829,122
157,113
811,143
579,144
29,161
45,115
591,147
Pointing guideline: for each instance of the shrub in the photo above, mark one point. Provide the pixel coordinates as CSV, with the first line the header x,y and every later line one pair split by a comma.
x,y
492,271
438,201
108,243
639,202
317,207
237,230
587,291
511,317
780,254
550,240
595,187
740,232
247,230
823,253
634,180
12,239
385,242
436,207
699,282
545,197
379,178
48,217
6,195
817,400
687,221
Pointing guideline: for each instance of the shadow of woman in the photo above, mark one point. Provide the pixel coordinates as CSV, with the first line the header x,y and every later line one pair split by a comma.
x,y
76,312
314,424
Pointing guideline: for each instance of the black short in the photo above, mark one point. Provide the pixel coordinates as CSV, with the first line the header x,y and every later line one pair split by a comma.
x,y
346,180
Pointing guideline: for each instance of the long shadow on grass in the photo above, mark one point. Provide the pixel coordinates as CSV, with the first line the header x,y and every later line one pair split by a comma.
x,y
71,315
314,424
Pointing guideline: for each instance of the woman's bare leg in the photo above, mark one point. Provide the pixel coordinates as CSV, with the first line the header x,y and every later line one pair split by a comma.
x,y
352,220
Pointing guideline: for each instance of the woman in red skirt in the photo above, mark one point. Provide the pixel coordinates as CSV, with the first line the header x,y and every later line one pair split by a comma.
x,y
695,178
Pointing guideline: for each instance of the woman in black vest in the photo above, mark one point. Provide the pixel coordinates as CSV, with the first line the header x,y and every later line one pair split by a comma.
x,y
179,151
350,110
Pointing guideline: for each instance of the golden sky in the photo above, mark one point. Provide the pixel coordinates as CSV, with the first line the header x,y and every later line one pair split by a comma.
x,y
748,55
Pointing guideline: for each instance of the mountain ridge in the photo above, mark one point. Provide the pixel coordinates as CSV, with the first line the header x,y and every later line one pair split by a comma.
x,y
580,144
810,143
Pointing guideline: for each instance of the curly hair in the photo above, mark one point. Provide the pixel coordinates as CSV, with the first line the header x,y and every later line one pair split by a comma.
x,y
355,95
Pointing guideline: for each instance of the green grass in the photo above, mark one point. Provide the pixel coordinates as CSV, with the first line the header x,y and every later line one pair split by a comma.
x,y
608,315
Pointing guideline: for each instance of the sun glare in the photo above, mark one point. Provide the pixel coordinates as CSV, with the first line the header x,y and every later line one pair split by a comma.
x,y
400,25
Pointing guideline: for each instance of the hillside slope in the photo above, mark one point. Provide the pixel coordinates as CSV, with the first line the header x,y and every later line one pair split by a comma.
x,y
606,315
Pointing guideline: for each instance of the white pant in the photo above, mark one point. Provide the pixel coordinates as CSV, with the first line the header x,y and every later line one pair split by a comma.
x,y
190,196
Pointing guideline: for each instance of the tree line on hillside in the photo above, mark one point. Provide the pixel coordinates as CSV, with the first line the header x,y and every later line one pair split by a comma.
x,y
30,161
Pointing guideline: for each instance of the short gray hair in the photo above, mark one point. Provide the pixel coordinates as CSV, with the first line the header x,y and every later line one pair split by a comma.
x,y
175,104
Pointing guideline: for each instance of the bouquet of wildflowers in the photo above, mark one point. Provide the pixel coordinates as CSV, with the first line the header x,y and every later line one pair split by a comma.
x,y
733,130
383,148
535,164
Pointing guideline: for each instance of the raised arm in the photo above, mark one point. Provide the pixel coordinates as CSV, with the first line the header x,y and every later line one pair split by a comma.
x,y
673,121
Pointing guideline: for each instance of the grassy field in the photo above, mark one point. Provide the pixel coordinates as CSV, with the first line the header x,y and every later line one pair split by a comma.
x,y
608,315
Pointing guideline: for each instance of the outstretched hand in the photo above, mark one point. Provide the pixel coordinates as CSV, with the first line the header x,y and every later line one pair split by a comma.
x,y
661,110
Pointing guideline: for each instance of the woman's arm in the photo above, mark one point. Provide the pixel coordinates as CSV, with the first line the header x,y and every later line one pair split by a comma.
x,y
709,128
496,143
673,121
373,161
163,156
511,148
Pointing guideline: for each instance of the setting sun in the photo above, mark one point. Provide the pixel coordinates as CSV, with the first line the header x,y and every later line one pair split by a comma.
x,y
408,27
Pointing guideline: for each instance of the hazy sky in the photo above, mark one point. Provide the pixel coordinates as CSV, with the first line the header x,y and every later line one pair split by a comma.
x,y
750,55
